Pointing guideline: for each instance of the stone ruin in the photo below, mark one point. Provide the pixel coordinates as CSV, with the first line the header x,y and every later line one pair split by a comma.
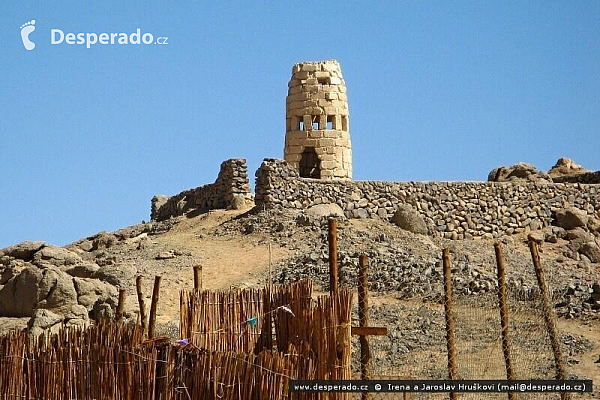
x,y
317,143
230,190
317,169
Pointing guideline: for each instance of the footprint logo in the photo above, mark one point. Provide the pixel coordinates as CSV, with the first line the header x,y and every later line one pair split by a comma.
x,y
26,29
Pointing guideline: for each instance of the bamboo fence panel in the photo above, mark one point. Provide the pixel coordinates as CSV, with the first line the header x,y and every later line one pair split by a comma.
x,y
243,360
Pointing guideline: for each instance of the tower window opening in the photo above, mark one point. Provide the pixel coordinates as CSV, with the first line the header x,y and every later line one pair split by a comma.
x,y
300,125
323,81
330,121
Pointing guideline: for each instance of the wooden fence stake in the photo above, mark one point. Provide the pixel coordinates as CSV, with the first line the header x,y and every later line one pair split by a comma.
x,y
548,315
198,277
153,307
363,321
140,296
452,369
333,257
121,304
504,315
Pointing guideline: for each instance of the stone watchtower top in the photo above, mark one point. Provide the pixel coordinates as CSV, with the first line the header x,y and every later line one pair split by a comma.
x,y
317,139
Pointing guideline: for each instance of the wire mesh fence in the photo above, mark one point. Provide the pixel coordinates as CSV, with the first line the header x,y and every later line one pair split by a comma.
x,y
417,345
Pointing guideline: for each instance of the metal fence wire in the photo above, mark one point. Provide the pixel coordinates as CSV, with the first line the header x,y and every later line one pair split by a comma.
x,y
488,329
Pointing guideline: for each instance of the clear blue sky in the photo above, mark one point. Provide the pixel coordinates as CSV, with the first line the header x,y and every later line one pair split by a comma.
x,y
437,91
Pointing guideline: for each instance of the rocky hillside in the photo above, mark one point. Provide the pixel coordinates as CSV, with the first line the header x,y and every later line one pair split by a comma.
x,y
46,287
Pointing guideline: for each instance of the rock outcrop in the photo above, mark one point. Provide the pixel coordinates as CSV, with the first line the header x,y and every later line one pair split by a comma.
x,y
519,172
53,285
22,251
565,166
564,171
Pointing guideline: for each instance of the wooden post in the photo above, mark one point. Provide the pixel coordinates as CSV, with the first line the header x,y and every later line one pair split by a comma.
x,y
121,304
333,257
363,321
504,315
364,330
198,277
452,370
548,315
140,296
153,307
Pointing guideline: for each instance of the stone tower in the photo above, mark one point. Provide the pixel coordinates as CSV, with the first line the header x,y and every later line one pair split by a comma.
x,y
317,138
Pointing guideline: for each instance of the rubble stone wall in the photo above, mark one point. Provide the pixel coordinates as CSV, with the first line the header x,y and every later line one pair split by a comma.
x,y
451,209
231,185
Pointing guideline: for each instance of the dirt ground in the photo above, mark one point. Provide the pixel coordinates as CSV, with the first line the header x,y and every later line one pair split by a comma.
x,y
227,261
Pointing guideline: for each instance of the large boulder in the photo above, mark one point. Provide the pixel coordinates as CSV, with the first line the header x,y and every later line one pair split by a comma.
x,y
117,274
45,288
77,316
325,210
56,291
90,291
43,320
579,235
11,269
566,166
591,250
407,218
519,172
8,324
54,255
23,251
104,240
237,201
84,270
570,218
103,311
19,296
594,225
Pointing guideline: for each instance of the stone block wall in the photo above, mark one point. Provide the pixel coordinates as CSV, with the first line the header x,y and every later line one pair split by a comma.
x,y
231,187
454,210
317,139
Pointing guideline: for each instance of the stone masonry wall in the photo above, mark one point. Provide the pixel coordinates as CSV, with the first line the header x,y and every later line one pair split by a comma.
x,y
317,118
231,187
453,210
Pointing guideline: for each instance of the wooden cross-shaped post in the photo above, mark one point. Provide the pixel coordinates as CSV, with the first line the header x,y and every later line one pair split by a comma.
x,y
364,330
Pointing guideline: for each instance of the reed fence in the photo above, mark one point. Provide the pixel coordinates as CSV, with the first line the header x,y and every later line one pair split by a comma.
x,y
244,344
284,318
